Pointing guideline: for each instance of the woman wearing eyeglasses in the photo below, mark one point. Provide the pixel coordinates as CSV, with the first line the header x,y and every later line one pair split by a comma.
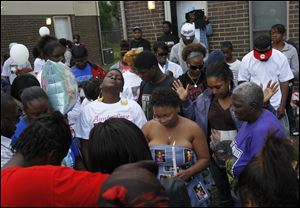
x,y
193,55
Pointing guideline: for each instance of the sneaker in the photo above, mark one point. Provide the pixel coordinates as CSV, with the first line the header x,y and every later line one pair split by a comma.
x,y
294,132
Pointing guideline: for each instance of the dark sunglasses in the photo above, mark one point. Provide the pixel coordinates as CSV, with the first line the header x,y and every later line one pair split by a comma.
x,y
163,54
195,67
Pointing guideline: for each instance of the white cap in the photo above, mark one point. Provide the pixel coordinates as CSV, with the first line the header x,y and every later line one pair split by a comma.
x,y
189,9
188,30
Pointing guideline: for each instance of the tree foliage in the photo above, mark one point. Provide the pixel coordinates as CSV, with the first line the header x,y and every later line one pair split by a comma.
x,y
108,10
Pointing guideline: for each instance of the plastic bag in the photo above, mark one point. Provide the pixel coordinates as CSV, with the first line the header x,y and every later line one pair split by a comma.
x,y
60,85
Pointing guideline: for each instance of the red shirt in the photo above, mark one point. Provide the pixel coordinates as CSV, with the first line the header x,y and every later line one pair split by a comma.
x,y
50,186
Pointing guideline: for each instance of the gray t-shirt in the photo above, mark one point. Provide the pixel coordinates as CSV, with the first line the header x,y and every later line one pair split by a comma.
x,y
146,89
6,153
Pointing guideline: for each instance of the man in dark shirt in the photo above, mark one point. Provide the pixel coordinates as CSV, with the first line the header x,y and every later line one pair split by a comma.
x,y
168,37
147,67
138,42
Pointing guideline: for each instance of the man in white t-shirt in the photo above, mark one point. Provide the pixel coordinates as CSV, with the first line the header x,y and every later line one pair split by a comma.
x,y
264,64
166,66
234,63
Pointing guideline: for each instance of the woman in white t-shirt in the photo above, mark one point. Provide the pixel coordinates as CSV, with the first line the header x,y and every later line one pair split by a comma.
x,y
109,105
38,61
234,64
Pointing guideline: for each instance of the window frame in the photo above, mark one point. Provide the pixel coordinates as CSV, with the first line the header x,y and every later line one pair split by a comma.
x,y
251,23
69,21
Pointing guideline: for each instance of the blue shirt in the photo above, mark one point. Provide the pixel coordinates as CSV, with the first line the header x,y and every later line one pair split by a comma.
x,y
251,138
82,75
20,127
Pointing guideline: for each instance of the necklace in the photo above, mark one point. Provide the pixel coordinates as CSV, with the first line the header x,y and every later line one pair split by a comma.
x,y
195,83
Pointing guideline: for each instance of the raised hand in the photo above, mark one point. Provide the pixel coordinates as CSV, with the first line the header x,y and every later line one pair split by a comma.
x,y
270,90
178,87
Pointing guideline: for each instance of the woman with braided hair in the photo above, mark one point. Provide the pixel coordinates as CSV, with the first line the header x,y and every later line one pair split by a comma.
x,y
34,177
270,180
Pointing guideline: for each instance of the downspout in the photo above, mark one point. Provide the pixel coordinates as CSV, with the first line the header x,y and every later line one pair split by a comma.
x,y
122,8
99,31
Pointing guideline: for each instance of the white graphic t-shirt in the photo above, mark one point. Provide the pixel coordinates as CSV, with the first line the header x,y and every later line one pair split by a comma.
x,y
96,112
235,67
131,86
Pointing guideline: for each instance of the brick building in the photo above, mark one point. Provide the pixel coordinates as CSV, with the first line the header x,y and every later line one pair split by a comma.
x,y
21,20
236,21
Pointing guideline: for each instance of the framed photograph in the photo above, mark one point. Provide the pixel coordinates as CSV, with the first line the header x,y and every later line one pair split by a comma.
x,y
170,168
200,192
164,176
160,155
188,155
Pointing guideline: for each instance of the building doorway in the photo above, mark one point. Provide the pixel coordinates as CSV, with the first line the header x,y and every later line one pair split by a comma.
x,y
62,27
178,10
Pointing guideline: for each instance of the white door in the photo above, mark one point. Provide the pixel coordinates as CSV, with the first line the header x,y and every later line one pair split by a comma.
x,y
62,27
181,8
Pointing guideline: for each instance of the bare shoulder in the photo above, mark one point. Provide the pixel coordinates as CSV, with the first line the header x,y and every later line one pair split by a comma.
x,y
188,122
192,125
150,125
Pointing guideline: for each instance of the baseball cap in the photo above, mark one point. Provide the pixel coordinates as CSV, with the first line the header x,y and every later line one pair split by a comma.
x,y
262,48
137,28
189,9
188,30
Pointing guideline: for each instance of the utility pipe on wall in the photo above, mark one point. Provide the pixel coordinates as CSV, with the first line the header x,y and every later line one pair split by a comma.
x,y
122,9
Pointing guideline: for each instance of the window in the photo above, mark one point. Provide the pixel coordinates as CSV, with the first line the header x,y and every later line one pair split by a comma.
x,y
264,15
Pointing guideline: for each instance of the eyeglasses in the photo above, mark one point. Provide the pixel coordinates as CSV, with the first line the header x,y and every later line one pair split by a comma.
x,y
195,67
163,54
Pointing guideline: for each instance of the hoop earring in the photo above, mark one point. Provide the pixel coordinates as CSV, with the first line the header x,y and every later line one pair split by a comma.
x,y
100,99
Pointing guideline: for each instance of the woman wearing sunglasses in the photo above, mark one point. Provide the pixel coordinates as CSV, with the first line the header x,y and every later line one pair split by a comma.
x,y
193,55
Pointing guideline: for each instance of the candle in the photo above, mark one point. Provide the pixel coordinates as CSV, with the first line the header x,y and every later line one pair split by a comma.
x,y
174,159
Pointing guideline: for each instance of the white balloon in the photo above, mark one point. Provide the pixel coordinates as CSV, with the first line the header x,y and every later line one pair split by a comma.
x,y
19,53
44,31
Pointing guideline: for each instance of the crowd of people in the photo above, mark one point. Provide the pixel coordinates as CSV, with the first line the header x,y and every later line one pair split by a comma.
x,y
159,128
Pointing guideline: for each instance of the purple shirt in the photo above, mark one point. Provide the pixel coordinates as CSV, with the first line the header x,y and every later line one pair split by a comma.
x,y
251,139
